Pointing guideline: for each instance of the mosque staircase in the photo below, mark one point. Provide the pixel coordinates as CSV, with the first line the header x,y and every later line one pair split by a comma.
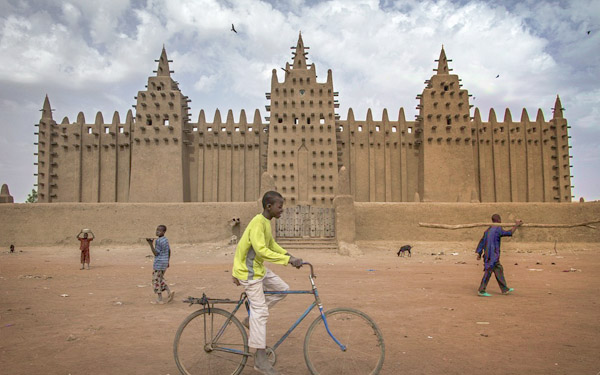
x,y
309,243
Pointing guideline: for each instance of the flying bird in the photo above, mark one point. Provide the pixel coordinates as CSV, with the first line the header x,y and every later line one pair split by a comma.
x,y
233,28
498,76
589,31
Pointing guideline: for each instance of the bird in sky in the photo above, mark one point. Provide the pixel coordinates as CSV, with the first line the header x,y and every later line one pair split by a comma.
x,y
589,31
233,28
498,76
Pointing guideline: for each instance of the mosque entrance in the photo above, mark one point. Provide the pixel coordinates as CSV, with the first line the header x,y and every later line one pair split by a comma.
x,y
305,221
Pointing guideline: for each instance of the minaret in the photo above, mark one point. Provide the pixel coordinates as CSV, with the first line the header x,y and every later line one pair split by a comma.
x,y
447,171
302,146
45,175
562,169
160,140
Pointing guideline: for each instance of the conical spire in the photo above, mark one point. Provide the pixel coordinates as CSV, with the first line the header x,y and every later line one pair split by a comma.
x,y
300,55
46,109
558,109
442,63
163,64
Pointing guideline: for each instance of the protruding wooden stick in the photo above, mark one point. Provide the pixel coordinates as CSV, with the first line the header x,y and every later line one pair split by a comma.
x,y
508,224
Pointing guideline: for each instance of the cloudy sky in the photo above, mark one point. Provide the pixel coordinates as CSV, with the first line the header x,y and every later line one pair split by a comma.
x,y
94,56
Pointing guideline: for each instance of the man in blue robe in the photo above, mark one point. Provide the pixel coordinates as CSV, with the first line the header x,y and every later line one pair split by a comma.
x,y
489,245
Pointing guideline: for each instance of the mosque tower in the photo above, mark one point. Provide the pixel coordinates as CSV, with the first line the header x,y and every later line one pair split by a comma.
x,y
302,149
160,149
447,170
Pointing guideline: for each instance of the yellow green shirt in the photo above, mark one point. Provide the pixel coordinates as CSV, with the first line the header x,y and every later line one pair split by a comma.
x,y
256,246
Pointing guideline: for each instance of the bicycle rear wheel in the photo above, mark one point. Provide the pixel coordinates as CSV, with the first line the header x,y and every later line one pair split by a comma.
x,y
365,349
210,342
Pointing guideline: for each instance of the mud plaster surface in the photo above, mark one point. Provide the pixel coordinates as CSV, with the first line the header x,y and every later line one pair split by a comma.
x,y
425,305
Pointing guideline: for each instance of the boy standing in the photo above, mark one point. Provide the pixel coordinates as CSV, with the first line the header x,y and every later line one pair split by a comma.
x,y
84,246
254,247
162,255
489,245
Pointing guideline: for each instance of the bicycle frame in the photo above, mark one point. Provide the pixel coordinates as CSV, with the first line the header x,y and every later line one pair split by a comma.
x,y
244,298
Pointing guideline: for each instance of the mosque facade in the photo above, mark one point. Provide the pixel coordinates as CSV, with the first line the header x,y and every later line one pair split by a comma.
x,y
156,153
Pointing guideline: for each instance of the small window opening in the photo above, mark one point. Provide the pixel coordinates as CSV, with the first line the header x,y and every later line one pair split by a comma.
x,y
446,88
377,128
195,128
341,128
394,129
250,129
209,129
448,121
237,129
322,120
106,130
409,130
280,120
166,122
359,128
148,121
89,130
308,120
223,129
295,120
121,130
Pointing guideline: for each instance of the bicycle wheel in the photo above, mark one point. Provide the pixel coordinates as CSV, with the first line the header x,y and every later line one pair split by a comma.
x,y
365,349
207,343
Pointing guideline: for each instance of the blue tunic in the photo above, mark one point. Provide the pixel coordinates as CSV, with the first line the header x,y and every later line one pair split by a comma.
x,y
490,245
163,253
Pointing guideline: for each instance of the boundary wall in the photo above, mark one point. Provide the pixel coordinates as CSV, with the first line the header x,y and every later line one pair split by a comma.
x,y
400,221
50,224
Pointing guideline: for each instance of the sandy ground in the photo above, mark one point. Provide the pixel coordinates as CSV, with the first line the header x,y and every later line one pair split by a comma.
x,y
426,307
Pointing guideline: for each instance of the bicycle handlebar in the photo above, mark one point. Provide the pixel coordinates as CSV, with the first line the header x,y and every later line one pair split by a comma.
x,y
312,273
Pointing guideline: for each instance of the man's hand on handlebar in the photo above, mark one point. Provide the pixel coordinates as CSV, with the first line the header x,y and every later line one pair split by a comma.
x,y
296,262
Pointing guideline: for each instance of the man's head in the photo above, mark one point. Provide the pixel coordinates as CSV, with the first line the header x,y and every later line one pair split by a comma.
x,y
160,230
496,218
273,204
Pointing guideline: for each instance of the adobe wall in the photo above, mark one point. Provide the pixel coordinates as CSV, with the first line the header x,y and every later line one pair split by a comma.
x,y
50,224
382,157
400,221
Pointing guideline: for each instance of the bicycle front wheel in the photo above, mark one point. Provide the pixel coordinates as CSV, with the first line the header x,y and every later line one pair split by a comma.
x,y
365,349
211,342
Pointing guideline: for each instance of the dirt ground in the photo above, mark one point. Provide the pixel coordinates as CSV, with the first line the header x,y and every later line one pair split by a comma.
x,y
426,306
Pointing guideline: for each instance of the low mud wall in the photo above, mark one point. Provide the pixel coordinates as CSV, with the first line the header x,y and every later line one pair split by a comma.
x,y
51,224
119,223
400,221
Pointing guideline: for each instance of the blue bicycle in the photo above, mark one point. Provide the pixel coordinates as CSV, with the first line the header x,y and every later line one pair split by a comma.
x,y
339,341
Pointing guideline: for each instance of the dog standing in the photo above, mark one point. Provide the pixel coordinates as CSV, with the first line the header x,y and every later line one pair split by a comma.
x,y
403,249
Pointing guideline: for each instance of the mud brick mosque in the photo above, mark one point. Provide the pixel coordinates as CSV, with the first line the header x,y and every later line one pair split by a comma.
x,y
158,154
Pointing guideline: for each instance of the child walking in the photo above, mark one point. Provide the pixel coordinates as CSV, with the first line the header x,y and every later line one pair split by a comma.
x,y
254,248
84,246
489,245
162,255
